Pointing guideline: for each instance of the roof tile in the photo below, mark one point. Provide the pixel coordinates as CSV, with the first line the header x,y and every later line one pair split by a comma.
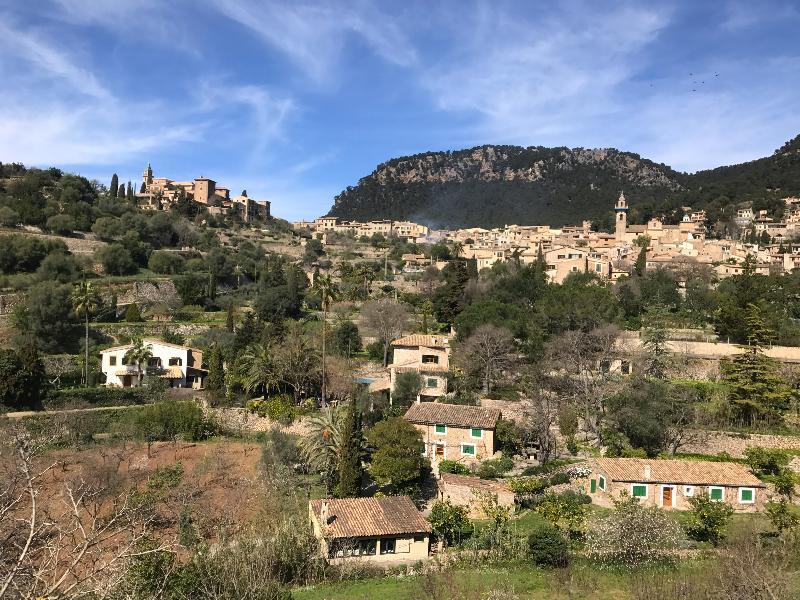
x,y
455,415
366,517
694,472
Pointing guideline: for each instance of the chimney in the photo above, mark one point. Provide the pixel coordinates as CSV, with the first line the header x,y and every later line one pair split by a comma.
x,y
647,472
323,513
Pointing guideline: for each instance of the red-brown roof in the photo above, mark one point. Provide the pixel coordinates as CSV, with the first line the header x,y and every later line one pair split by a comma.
x,y
419,339
367,517
454,415
693,472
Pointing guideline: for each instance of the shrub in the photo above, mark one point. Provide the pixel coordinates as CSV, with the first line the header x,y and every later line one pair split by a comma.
x,y
8,217
133,314
448,521
494,468
169,420
60,224
559,478
783,515
166,263
97,397
633,535
565,511
452,466
116,260
278,408
707,519
547,547
765,461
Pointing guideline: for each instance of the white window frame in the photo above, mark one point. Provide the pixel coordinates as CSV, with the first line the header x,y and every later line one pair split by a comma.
x,y
646,490
601,482
474,448
475,437
753,490
716,487
688,491
433,450
437,432
428,381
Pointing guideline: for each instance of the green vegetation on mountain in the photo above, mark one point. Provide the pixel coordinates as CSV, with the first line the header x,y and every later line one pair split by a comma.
x,y
491,186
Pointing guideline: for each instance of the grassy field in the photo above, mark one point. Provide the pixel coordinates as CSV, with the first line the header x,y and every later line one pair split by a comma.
x,y
518,580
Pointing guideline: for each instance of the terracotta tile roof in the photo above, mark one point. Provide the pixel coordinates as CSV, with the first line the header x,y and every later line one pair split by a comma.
x,y
695,472
455,415
420,367
419,339
476,483
366,517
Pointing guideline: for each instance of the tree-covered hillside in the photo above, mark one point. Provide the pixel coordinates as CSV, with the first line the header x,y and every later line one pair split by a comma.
x,y
495,185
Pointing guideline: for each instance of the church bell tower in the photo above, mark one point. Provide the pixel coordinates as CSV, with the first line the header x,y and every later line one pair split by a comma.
x,y
621,218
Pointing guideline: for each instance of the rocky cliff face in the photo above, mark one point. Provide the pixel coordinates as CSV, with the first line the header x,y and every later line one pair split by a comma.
x,y
491,186
533,184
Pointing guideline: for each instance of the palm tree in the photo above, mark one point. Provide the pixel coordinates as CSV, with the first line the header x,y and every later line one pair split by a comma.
x,y
320,446
458,247
84,301
259,368
138,354
328,292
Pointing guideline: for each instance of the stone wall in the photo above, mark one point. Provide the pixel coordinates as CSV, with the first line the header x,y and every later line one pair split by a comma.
x,y
715,442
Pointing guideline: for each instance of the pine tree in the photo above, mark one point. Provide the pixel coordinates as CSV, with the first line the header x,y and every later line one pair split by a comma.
x,y
349,466
215,381
654,342
114,186
133,314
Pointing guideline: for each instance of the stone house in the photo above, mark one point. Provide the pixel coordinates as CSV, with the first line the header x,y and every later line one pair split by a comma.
x,y
381,530
670,483
181,366
470,492
428,355
455,432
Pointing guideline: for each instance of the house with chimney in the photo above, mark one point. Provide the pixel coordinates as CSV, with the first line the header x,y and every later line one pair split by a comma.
x,y
385,530
428,355
465,434
670,483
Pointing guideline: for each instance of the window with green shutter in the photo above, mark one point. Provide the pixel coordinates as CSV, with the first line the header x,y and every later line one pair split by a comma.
x,y
602,482
476,432
441,429
592,486
639,491
716,493
747,495
468,449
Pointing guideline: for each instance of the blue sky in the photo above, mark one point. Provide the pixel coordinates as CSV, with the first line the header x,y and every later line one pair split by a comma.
x,y
296,100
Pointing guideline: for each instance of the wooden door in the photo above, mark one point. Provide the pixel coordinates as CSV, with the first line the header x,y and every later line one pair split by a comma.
x,y
439,452
666,497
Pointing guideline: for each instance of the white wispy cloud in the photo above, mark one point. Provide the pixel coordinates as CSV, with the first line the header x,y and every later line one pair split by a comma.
x,y
312,35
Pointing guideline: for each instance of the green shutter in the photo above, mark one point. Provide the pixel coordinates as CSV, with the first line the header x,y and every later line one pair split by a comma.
x,y
602,482
468,449
476,432
747,495
639,491
593,486
715,494
441,429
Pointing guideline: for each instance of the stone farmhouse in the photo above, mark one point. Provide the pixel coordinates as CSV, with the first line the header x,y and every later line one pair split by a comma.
x,y
472,492
380,530
465,434
669,483
157,193
428,355
181,366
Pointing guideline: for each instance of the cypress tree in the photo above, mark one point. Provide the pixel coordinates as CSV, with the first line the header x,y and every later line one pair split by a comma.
x,y
32,374
129,191
349,466
121,191
142,188
215,381
114,186
229,322
641,262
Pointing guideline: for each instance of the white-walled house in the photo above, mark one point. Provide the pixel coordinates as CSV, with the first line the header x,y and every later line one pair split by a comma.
x,y
182,366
